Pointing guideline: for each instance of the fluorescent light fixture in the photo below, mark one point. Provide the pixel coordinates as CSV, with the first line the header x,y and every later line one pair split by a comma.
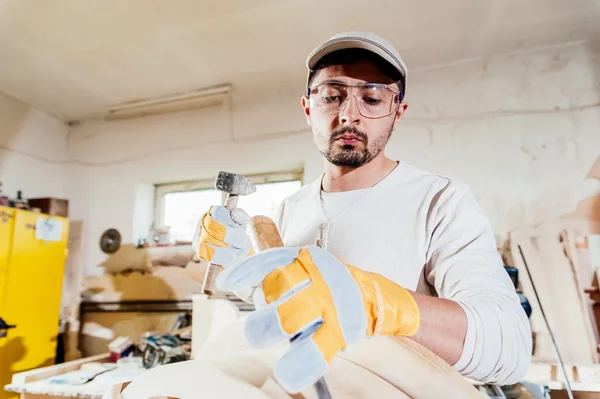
x,y
201,98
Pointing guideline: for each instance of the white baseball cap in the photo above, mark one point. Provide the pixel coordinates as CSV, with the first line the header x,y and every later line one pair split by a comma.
x,y
363,40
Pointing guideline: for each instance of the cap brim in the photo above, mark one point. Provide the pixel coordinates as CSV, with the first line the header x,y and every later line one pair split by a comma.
x,y
347,43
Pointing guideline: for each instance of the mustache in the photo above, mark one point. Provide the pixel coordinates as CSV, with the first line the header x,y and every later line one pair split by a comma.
x,y
348,130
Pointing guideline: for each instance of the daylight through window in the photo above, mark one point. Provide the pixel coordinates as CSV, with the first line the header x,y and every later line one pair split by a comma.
x,y
180,205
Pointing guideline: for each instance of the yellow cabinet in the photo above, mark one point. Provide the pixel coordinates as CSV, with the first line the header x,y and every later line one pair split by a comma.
x,y
7,218
31,275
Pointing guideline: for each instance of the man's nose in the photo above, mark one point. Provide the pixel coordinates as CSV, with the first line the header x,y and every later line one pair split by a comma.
x,y
349,112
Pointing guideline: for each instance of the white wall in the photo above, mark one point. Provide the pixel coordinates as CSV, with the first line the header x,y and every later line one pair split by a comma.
x,y
521,129
33,151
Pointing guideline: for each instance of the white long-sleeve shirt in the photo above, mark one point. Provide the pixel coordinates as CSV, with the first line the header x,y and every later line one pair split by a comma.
x,y
426,233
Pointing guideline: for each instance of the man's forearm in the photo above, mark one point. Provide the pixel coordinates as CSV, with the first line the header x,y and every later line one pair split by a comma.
x,y
443,326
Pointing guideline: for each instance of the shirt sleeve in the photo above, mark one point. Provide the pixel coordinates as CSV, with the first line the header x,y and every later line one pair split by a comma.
x,y
464,265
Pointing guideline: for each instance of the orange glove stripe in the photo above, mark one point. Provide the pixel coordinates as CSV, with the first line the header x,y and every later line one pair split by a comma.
x,y
329,340
392,309
213,228
207,237
365,283
280,281
401,314
212,232
295,314
205,252
329,337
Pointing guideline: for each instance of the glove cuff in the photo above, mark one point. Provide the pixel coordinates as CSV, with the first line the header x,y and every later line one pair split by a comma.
x,y
390,308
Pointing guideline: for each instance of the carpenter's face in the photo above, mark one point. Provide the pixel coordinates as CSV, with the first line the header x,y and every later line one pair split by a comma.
x,y
352,110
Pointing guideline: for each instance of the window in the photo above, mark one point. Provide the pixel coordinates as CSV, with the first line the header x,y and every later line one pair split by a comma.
x,y
180,205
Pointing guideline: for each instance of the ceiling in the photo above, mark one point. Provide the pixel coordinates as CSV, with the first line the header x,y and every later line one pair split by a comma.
x,y
74,58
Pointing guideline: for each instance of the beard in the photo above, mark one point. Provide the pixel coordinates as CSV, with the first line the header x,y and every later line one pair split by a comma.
x,y
354,155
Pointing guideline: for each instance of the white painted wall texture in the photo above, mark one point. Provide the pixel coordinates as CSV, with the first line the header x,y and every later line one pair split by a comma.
x,y
522,130
33,151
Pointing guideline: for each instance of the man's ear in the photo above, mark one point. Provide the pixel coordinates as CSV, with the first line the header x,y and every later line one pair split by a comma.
x,y
306,107
400,113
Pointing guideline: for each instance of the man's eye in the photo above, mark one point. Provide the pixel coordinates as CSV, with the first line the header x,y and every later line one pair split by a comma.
x,y
331,99
371,101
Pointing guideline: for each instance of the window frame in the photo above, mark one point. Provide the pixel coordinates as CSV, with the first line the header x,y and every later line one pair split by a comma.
x,y
161,189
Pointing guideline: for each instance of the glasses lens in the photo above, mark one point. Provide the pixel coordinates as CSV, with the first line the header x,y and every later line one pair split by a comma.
x,y
328,97
374,101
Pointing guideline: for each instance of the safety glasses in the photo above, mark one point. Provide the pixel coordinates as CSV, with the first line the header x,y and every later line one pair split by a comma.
x,y
375,100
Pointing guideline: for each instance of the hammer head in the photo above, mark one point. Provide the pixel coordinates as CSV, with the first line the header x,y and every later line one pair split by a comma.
x,y
233,183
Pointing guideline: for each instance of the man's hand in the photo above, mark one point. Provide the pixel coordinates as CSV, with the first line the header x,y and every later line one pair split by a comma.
x,y
220,236
322,305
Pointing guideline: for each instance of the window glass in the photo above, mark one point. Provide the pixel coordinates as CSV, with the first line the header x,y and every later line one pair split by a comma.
x,y
182,210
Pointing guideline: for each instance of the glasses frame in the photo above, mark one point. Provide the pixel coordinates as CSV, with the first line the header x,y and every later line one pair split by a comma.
x,y
397,94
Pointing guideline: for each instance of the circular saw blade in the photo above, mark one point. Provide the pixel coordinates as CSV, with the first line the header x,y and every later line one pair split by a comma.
x,y
110,241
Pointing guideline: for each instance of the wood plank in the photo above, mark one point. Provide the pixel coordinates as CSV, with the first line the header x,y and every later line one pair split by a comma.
x,y
162,283
47,372
36,396
580,266
552,273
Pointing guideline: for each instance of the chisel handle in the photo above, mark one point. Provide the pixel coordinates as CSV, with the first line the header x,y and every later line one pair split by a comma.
x,y
264,235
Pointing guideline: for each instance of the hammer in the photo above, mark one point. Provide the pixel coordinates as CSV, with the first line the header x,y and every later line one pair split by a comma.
x,y
234,185
264,235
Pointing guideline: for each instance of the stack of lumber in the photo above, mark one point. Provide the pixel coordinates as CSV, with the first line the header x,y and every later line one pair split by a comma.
x,y
142,290
563,256
558,256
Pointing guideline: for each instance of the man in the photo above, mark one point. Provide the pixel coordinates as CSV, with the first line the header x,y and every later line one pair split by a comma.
x,y
374,246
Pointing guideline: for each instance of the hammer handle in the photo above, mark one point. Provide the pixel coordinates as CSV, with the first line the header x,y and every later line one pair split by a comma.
x,y
231,201
210,279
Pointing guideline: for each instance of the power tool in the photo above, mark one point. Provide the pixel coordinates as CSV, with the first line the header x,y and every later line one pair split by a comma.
x,y
513,272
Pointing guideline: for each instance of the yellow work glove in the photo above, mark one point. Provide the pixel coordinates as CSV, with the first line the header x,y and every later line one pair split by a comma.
x,y
220,236
322,305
